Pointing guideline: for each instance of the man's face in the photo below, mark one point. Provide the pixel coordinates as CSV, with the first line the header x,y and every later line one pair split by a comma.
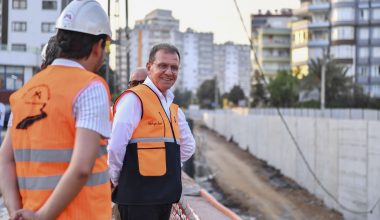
x,y
164,70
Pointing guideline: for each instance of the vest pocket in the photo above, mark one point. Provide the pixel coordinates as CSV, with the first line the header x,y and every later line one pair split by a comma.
x,y
151,158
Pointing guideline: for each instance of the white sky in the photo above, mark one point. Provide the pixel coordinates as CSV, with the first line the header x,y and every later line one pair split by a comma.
x,y
217,16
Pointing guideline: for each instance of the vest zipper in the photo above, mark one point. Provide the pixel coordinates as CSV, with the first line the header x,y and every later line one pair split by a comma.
x,y
163,123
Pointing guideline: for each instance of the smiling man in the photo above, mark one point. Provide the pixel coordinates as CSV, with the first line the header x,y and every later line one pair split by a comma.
x,y
150,138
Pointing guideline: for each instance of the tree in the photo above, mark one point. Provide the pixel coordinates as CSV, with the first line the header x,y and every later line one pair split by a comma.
x,y
258,93
283,89
338,85
183,99
236,94
206,94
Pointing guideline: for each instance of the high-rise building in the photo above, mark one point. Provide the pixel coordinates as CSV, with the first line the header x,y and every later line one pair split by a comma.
x,y
310,34
232,64
26,26
159,26
197,59
271,40
346,31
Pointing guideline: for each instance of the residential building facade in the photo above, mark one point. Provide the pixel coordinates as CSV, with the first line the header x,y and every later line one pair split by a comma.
x,y
26,26
271,40
232,65
347,31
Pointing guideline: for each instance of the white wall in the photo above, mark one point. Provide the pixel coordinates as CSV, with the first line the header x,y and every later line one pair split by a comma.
x,y
343,153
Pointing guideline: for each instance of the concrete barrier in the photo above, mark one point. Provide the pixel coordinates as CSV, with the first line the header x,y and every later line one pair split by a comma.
x,y
343,152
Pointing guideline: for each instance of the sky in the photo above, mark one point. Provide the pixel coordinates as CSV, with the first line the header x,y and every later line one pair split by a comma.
x,y
217,16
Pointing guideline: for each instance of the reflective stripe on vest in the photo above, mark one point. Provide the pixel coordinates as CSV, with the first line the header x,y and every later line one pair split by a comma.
x,y
159,139
50,182
48,155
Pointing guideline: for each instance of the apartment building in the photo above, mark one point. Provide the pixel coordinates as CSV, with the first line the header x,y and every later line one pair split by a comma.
x,y
26,26
271,40
159,26
310,34
232,65
347,31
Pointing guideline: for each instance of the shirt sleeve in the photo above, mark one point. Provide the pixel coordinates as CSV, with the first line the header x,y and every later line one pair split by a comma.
x,y
187,142
125,121
91,109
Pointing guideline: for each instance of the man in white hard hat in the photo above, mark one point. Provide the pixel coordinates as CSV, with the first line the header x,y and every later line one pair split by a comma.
x,y
52,163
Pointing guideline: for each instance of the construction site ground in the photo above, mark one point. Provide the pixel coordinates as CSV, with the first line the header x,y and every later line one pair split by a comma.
x,y
255,187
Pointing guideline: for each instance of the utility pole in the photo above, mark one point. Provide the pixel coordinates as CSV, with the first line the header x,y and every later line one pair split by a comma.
x,y
323,83
216,90
325,61
127,37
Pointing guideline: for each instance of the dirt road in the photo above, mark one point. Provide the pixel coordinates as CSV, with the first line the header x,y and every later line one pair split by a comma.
x,y
249,182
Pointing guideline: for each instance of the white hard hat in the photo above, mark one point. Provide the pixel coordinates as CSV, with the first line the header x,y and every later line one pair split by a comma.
x,y
85,16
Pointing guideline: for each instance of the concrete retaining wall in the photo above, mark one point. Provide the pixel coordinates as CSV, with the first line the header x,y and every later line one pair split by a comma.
x,y
343,153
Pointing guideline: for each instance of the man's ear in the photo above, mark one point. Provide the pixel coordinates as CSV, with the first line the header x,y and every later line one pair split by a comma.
x,y
148,66
97,48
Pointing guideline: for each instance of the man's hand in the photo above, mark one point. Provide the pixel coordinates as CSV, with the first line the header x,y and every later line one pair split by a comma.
x,y
25,214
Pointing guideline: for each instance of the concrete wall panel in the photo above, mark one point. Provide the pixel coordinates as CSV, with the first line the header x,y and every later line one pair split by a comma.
x,y
344,154
373,168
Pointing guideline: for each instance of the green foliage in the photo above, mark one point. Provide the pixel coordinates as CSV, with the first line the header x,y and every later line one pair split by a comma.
x,y
183,99
236,94
206,94
258,93
338,85
283,90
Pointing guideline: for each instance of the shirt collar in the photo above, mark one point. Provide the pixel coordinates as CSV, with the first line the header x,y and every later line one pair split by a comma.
x,y
169,93
66,62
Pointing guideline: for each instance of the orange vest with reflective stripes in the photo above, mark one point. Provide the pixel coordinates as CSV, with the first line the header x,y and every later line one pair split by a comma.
x,y
43,137
151,172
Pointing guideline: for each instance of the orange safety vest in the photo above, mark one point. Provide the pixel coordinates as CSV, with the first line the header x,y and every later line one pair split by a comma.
x,y
43,137
151,172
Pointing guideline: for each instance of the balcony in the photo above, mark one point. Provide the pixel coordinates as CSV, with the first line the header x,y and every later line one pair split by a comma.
x,y
30,57
306,24
308,7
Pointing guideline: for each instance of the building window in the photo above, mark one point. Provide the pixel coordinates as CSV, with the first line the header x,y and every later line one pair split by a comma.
x,y
48,27
342,51
376,33
11,77
19,4
19,26
363,52
376,52
342,33
343,14
363,71
363,14
18,47
49,5
376,13
375,70
363,33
